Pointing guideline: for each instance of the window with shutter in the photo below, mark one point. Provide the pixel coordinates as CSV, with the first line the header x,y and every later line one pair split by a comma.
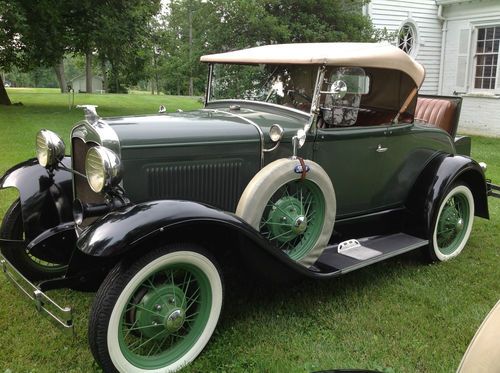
x,y
486,58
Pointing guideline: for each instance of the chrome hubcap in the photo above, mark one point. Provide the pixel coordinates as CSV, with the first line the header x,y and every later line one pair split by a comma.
x,y
300,225
174,320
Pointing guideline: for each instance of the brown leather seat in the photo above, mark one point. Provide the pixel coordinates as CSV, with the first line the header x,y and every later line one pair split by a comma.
x,y
436,112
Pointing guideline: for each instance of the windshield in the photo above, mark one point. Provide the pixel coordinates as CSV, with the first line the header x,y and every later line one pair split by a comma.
x,y
287,85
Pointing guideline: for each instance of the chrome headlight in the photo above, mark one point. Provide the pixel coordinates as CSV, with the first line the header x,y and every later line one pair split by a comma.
x,y
49,148
103,168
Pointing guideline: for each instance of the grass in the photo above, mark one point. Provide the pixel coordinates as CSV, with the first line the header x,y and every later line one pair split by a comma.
x,y
397,316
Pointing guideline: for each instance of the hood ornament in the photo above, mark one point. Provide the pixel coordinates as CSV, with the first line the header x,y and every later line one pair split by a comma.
x,y
90,112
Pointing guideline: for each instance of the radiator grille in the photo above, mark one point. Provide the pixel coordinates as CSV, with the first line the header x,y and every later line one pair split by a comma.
x,y
217,183
81,186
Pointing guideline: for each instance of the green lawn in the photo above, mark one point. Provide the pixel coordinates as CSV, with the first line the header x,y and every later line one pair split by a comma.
x,y
398,316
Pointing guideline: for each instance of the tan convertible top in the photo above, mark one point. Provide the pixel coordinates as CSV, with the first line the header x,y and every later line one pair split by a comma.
x,y
376,55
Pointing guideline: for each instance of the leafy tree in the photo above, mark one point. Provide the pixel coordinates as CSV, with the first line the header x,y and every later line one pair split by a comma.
x,y
31,35
124,38
40,33
195,28
322,20
34,35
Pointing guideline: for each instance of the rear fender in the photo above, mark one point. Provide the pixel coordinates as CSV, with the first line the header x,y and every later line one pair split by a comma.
x,y
443,171
46,198
134,229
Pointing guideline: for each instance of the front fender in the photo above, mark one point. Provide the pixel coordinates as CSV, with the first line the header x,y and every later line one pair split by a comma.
x,y
438,176
46,198
134,227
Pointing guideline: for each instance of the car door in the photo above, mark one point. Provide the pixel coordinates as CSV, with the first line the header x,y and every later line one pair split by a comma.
x,y
409,150
357,161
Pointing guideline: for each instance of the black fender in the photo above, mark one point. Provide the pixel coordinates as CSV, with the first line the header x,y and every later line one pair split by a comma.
x,y
46,197
140,227
439,174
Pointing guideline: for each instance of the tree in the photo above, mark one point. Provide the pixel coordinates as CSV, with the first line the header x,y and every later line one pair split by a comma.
x,y
322,20
124,38
195,28
31,34
11,51
40,33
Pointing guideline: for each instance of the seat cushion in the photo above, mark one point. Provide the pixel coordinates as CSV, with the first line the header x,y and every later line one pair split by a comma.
x,y
436,112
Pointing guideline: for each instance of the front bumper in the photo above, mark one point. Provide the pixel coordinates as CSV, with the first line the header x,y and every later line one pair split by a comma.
x,y
60,316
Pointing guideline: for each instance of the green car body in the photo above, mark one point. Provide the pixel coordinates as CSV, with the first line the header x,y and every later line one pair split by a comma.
x,y
158,152
319,166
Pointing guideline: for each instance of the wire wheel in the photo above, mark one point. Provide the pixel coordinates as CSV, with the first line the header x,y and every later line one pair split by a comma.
x,y
295,214
294,217
156,313
453,223
165,316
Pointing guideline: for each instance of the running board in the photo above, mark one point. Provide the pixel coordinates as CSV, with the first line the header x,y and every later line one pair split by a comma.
x,y
350,255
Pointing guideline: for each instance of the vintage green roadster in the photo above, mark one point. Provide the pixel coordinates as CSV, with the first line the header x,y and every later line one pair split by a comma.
x,y
307,160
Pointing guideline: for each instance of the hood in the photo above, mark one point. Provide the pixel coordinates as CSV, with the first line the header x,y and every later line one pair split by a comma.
x,y
192,127
211,125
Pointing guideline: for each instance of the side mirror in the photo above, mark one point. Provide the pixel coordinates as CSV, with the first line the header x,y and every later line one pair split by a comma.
x,y
338,89
298,141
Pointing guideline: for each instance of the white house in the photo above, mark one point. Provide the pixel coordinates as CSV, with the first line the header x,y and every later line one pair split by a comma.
x,y
79,83
458,43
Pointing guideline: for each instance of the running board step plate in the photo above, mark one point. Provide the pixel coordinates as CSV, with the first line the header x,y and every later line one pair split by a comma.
x,y
350,255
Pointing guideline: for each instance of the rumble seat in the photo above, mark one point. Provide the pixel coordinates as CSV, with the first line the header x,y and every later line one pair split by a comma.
x,y
437,112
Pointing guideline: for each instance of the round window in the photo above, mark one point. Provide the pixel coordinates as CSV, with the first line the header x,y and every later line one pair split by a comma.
x,y
407,38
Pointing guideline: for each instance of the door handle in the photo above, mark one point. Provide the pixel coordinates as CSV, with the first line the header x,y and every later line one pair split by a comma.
x,y
380,149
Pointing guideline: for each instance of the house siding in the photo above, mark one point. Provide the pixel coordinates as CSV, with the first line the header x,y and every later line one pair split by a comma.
x,y
391,14
480,116
479,113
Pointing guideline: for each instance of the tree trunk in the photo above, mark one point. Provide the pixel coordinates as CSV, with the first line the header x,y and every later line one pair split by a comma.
x,y
59,70
104,76
157,83
4,97
88,72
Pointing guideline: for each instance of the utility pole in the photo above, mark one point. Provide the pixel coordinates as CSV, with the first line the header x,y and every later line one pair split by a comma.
x,y
190,15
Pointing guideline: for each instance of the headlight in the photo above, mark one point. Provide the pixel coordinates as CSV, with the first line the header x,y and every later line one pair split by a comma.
x,y
49,148
103,168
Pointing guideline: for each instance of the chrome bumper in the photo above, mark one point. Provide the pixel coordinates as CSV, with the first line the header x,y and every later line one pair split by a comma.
x,y
60,316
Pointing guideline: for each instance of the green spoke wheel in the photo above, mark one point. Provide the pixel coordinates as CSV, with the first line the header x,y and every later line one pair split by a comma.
x,y
166,308
452,223
31,266
295,215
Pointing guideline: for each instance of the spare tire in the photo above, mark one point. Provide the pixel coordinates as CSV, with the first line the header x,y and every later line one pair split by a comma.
x,y
295,213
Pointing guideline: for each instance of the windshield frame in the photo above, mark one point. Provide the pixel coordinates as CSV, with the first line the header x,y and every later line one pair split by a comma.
x,y
209,88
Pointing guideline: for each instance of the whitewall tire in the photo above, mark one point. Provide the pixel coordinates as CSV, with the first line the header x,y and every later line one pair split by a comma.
x,y
158,314
296,215
452,223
